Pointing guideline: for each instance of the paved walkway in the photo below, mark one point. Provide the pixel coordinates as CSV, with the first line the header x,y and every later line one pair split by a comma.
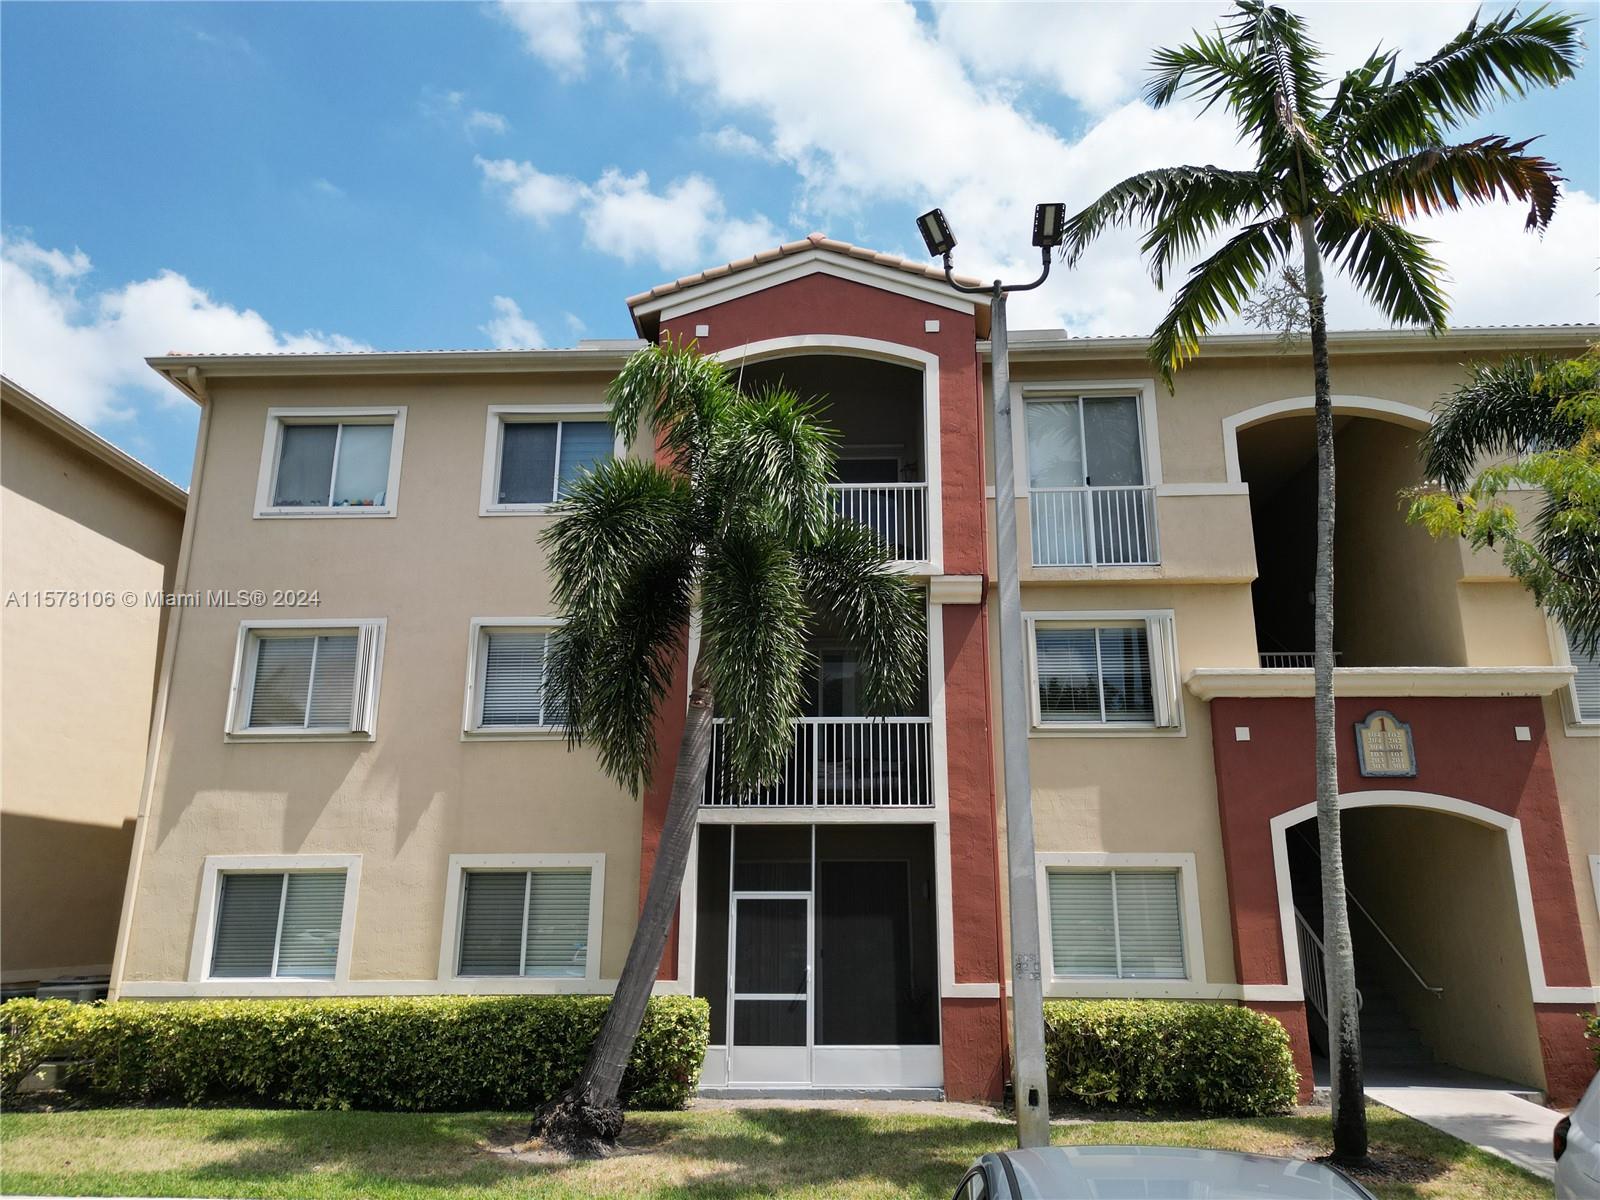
x,y
1495,1121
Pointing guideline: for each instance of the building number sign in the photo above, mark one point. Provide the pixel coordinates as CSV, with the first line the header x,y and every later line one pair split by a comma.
x,y
1384,747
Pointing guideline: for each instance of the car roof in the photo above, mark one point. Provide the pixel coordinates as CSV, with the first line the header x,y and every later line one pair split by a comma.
x,y
1068,1172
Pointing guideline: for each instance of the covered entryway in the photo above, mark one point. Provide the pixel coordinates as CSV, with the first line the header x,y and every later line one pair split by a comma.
x,y
816,948
1440,961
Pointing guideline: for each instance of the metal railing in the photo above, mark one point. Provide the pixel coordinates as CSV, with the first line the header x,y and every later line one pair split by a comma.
x,y
1389,942
1294,659
1094,526
1313,966
897,512
854,762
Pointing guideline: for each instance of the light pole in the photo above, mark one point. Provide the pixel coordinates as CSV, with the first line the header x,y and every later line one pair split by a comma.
x,y
1029,1084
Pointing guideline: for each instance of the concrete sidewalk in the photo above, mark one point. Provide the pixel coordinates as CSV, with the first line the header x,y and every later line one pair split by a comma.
x,y
1495,1121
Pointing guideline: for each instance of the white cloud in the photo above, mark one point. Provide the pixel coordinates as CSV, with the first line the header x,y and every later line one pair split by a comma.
x,y
508,329
555,31
83,351
325,187
529,192
1110,43
452,108
735,141
685,224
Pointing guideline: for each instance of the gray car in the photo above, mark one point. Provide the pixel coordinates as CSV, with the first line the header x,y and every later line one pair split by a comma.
x,y
1151,1173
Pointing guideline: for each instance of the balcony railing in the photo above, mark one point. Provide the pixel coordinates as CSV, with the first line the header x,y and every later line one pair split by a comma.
x,y
850,762
1301,660
898,512
1094,526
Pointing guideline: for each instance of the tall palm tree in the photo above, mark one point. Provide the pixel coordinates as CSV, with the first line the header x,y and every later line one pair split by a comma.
x,y
731,545
1339,165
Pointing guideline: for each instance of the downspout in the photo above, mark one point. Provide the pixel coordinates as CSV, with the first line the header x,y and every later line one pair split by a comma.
x,y
194,386
988,728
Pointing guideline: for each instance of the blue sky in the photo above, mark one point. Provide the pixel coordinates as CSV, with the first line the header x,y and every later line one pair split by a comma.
x,y
297,176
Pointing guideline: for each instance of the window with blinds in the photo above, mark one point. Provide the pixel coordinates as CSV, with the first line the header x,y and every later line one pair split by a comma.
x,y
277,925
1121,924
540,460
533,923
1096,675
511,671
1586,687
333,464
312,681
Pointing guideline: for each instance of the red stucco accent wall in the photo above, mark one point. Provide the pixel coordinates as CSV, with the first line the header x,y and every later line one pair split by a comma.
x,y
1466,749
822,304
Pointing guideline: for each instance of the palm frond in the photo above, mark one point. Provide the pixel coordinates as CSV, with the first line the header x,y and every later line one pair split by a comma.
x,y
1285,59
1503,408
1215,290
753,653
1500,58
679,393
1391,264
851,588
1446,177
1208,69
774,463
1182,207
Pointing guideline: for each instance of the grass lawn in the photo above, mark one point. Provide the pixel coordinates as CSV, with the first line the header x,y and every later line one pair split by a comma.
x,y
723,1150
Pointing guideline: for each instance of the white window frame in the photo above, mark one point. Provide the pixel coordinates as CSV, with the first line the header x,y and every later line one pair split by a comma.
x,y
242,689
1144,390
501,415
1165,677
1194,956
205,934
277,418
472,727
1561,654
455,913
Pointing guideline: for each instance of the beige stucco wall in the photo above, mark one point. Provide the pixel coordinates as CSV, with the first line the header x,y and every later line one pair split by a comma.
x,y
418,793
1441,888
1142,792
77,684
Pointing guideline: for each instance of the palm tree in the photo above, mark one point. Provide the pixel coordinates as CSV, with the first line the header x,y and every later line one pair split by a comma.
x,y
1339,166
734,546
1541,417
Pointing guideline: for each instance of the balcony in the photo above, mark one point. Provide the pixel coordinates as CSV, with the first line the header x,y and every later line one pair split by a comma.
x,y
897,512
839,762
1094,526
1294,660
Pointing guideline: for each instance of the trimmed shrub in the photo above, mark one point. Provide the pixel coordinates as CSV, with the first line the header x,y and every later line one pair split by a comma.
x,y
423,1053
1160,1054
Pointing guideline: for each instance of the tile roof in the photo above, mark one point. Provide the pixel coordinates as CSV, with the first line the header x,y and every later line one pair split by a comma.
x,y
815,241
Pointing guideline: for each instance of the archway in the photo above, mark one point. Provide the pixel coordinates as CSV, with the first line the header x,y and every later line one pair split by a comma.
x,y
1441,922
1396,601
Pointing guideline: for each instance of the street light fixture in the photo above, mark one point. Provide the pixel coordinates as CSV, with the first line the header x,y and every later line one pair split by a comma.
x,y
1027,987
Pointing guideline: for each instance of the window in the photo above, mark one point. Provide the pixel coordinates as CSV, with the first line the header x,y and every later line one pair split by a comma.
x,y
1118,924
1108,671
299,679
277,924
533,923
532,458
1087,494
1586,687
506,691
330,462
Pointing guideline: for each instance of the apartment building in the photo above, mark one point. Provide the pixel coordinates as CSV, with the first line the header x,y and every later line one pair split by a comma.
x,y
88,546
358,788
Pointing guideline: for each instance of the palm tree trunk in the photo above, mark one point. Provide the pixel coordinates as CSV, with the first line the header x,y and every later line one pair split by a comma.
x,y
586,1119
1344,1027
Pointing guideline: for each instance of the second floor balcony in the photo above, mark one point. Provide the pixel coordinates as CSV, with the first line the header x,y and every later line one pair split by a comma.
x,y
1093,526
838,757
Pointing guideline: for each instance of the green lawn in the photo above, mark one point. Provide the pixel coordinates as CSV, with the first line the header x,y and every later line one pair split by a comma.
x,y
718,1151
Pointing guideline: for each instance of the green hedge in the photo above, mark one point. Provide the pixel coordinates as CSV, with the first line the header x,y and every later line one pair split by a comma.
x,y
423,1053
1160,1054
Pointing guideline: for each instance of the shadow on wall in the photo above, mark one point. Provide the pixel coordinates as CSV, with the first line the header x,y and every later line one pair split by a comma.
x,y
61,885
